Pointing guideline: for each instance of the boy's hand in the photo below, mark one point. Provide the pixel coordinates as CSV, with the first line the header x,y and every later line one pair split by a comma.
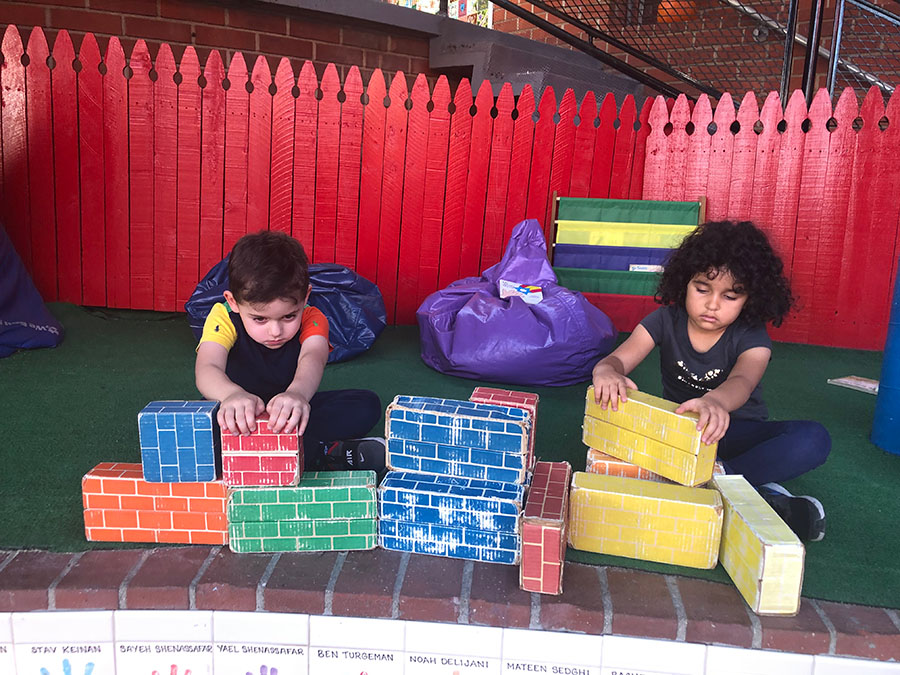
x,y
238,413
288,412
714,419
610,386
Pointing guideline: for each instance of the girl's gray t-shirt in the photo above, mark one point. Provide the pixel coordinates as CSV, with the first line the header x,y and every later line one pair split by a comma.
x,y
687,373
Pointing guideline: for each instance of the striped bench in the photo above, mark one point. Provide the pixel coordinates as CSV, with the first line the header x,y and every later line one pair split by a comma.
x,y
613,249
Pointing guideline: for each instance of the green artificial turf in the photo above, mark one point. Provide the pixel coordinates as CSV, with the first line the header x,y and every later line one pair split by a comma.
x,y
64,410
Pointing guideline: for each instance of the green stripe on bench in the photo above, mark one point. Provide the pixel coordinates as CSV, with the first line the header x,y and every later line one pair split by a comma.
x,y
607,281
629,211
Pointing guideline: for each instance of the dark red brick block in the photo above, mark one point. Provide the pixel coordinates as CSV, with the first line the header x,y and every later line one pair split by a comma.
x,y
338,54
315,30
641,604
431,589
148,7
188,11
580,607
715,613
231,38
231,580
83,20
285,46
23,16
159,29
298,583
804,633
365,586
867,632
258,21
24,581
164,579
496,599
94,581
364,38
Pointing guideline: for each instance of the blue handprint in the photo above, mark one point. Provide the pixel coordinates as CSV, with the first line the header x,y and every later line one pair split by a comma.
x,y
265,670
67,668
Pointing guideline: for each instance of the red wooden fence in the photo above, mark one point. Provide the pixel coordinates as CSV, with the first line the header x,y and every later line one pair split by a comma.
x,y
122,179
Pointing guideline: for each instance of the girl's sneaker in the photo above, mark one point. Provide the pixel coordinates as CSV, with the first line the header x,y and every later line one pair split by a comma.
x,y
805,515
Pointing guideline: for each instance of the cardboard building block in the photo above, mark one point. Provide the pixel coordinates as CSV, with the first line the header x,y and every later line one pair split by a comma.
x,y
645,520
325,511
450,516
761,554
119,505
645,430
262,457
178,441
457,438
600,462
544,523
512,399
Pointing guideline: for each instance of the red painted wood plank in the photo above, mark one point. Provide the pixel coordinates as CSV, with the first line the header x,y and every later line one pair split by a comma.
x,y
696,170
636,188
804,281
40,166
91,173
281,182
116,179
498,180
457,169
743,160
541,161
14,134
563,154
305,114
830,272
677,150
392,193
657,151
413,203
165,181
371,173
890,140
721,145
212,164
623,153
259,146
520,161
765,169
327,154
476,184
140,175
65,156
237,130
604,148
583,157
435,186
348,170
187,263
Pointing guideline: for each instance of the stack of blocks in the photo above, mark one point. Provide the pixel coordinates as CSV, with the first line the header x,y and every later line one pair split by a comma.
x,y
456,484
544,528
327,511
262,458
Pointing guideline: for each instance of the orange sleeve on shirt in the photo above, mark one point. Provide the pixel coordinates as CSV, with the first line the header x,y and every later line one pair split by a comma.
x,y
313,322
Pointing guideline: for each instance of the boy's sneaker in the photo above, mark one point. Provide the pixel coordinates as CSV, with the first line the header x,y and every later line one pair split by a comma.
x,y
356,454
804,515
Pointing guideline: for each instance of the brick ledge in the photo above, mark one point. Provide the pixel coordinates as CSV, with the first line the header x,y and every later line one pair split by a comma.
x,y
389,584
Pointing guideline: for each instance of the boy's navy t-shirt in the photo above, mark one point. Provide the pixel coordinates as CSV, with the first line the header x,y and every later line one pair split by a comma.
x,y
687,373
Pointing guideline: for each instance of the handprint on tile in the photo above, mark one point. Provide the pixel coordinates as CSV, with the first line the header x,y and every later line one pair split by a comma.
x,y
173,671
67,668
265,670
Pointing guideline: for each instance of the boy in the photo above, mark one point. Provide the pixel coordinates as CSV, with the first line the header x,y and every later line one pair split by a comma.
x,y
264,350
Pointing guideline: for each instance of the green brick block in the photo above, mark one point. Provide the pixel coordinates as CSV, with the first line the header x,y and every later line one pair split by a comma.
x,y
241,545
277,544
330,528
253,496
353,543
315,511
238,513
296,528
271,512
332,494
368,527
358,509
253,530
337,478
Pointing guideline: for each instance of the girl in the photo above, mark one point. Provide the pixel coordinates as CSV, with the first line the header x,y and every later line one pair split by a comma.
x,y
718,290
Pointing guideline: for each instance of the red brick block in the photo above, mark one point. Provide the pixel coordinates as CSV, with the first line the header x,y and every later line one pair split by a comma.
x,y
231,580
158,29
580,607
495,598
544,528
421,599
164,580
365,39
188,11
231,38
365,586
641,604
328,53
285,46
25,579
298,583
267,22
147,7
84,20
866,632
262,457
315,30
23,16
716,613
93,583
804,633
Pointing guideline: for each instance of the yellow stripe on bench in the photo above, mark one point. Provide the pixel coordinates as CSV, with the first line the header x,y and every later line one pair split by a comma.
x,y
645,520
761,554
641,235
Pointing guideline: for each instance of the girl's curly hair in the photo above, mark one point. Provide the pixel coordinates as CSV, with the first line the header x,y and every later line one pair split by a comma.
x,y
741,249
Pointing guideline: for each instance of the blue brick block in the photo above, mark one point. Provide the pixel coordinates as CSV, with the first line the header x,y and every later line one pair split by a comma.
x,y
447,542
449,493
435,433
454,453
179,441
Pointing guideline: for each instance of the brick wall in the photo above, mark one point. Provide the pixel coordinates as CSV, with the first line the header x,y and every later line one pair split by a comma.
x,y
252,28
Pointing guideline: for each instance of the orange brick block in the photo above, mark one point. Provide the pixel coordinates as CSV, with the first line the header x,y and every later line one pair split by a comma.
x,y
544,528
120,506
607,465
512,399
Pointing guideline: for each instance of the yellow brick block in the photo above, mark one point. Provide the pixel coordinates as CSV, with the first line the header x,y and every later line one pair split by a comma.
x,y
646,520
761,554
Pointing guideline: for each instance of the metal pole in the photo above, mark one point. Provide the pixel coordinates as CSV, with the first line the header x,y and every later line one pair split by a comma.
x,y
812,49
836,35
789,36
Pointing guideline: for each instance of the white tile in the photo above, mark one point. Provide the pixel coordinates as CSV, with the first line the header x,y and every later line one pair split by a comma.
x,y
7,652
451,638
565,653
651,657
836,665
6,627
163,625
735,661
164,641
258,642
64,642
341,645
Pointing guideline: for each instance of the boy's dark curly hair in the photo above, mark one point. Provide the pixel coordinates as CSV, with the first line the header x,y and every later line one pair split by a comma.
x,y
740,248
267,266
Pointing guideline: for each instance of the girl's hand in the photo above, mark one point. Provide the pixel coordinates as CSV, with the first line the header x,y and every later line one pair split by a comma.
x,y
610,386
238,413
714,419
288,412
